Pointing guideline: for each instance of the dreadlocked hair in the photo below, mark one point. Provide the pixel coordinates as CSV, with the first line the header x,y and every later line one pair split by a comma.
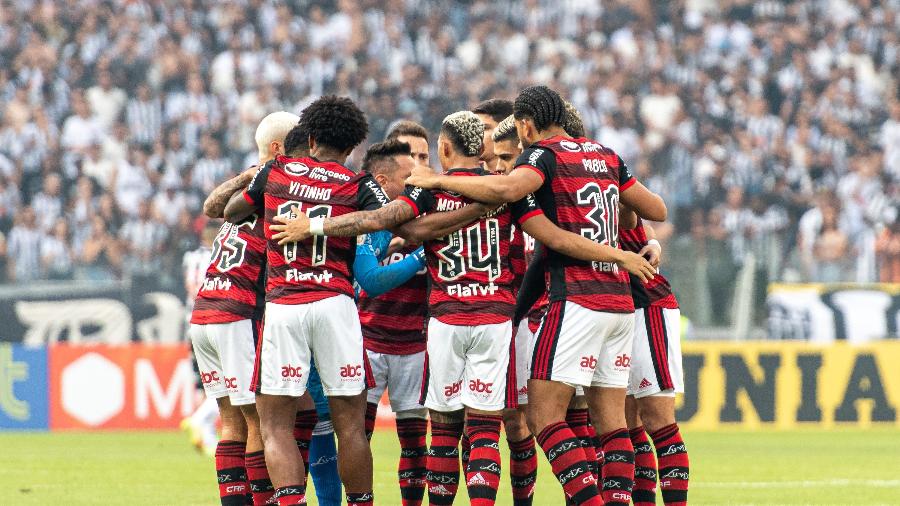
x,y
465,131
572,123
379,157
506,130
335,122
542,105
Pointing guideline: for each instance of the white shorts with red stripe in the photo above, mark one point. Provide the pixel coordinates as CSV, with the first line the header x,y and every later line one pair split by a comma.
x,y
656,353
469,366
401,375
327,330
580,346
225,354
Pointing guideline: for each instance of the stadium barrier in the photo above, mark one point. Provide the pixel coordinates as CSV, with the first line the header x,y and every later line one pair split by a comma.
x,y
746,385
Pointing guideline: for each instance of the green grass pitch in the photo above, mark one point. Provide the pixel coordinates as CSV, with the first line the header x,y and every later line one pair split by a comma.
x,y
808,466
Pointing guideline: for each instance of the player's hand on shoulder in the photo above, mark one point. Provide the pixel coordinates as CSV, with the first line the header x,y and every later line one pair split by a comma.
x,y
291,227
637,265
423,177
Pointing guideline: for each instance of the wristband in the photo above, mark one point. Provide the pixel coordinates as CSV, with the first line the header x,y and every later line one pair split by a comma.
x,y
654,242
317,225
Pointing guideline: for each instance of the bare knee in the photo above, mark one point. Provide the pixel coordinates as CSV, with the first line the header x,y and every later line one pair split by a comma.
x,y
515,425
234,428
656,412
448,417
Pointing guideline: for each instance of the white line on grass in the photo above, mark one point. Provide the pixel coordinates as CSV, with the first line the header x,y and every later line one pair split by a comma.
x,y
796,484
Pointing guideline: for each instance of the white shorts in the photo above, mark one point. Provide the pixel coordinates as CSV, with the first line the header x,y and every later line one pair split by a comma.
x,y
469,366
579,346
401,375
656,353
524,349
327,330
225,354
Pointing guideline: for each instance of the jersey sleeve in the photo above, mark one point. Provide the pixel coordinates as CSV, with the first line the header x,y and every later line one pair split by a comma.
x,y
525,208
538,159
370,195
625,177
379,242
255,192
420,199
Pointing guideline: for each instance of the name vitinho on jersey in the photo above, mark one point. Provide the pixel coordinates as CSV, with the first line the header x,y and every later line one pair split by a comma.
x,y
309,192
320,278
472,289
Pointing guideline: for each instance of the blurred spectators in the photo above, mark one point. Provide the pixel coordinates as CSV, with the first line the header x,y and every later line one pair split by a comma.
x,y
773,125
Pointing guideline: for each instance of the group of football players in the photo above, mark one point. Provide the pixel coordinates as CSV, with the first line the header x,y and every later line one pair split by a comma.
x,y
515,288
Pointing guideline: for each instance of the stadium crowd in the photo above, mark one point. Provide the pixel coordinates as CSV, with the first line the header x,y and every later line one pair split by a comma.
x,y
770,127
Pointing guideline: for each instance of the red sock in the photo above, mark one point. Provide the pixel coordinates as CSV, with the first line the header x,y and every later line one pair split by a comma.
x,y
292,494
522,470
644,493
618,467
580,423
364,499
411,470
483,471
303,428
258,476
674,468
371,412
231,472
569,463
443,462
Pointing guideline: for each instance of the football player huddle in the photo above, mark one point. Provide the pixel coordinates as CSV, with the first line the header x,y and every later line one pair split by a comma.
x,y
516,288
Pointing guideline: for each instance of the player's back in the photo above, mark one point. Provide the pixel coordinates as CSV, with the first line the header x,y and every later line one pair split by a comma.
x,y
580,193
320,266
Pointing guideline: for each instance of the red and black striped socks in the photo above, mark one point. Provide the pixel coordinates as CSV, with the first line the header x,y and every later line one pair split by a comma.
x,y
483,471
260,485
371,414
411,470
443,462
290,495
569,463
644,492
303,428
465,450
674,467
522,470
231,472
364,499
580,423
618,467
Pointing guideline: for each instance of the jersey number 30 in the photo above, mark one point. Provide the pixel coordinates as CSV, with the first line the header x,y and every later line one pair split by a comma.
x,y
604,216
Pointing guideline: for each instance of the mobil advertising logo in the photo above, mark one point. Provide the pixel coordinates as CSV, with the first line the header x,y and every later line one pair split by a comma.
x,y
108,387
23,387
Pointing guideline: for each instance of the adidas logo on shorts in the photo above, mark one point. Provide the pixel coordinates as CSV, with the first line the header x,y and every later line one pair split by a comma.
x,y
645,383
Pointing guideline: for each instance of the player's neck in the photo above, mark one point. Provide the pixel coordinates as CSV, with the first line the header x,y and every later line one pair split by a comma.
x,y
552,131
462,162
328,155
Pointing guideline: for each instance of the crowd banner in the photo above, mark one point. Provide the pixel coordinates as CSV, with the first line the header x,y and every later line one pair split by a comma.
x,y
787,385
825,313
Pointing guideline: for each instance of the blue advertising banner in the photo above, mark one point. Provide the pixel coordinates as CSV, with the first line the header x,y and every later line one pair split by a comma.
x,y
24,396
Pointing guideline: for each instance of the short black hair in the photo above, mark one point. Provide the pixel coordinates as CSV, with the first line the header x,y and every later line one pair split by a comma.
x,y
335,122
408,128
496,108
542,105
379,157
296,142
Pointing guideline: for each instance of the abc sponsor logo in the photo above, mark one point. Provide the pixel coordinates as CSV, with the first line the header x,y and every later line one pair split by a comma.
x,y
289,371
350,371
588,362
231,383
452,390
209,377
623,361
478,386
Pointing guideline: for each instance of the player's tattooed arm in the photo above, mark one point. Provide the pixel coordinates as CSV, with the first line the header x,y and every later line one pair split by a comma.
x,y
215,203
297,228
436,225
237,208
577,246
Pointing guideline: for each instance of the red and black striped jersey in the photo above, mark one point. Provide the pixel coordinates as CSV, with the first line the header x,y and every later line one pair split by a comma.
x,y
471,276
656,292
318,267
580,193
539,309
394,322
233,288
517,261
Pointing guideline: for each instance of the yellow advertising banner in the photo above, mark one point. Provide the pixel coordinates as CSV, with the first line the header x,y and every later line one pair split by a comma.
x,y
787,385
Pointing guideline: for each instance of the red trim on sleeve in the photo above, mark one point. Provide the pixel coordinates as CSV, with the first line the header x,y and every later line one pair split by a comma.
x,y
411,203
532,167
248,198
530,214
628,184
